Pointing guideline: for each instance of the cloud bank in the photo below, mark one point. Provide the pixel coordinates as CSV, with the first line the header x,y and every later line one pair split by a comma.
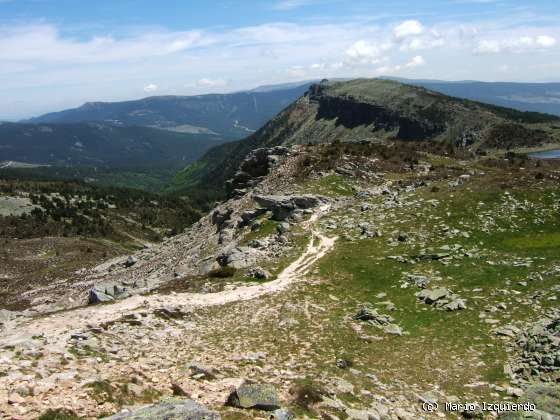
x,y
44,68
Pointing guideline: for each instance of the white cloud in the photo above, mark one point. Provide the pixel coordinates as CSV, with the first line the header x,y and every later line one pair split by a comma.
x,y
297,72
364,52
517,45
416,61
48,68
151,88
211,83
44,43
545,41
488,47
408,28
414,44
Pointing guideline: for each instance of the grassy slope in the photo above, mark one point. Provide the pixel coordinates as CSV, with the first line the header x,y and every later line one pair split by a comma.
x,y
460,343
453,353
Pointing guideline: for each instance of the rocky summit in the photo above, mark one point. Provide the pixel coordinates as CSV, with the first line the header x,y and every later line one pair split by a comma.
x,y
379,252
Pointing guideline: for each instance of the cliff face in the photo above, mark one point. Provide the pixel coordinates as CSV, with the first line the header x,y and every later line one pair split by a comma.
x,y
351,114
379,111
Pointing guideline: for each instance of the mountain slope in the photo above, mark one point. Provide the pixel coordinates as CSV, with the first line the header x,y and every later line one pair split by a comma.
x,y
535,97
373,110
99,144
234,115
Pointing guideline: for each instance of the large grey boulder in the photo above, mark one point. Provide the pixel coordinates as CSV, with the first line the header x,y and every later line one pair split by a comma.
x,y
281,414
431,296
442,298
239,257
283,206
260,396
172,409
107,292
130,261
207,265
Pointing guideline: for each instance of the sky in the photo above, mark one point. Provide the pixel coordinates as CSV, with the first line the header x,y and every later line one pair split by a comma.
x,y
56,54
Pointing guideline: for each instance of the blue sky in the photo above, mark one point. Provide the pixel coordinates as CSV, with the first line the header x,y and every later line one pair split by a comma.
x,y
60,53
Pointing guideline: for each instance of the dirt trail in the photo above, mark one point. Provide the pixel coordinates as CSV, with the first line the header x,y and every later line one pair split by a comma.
x,y
57,327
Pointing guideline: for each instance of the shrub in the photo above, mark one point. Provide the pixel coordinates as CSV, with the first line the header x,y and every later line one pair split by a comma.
x,y
58,414
222,272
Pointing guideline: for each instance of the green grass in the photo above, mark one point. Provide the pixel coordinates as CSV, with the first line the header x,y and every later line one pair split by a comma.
x,y
534,241
268,227
332,186
359,270
58,414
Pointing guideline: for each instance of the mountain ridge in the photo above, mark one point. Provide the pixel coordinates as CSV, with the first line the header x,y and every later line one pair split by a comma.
x,y
374,110
536,97
233,115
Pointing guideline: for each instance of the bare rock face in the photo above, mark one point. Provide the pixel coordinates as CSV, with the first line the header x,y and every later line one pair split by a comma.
x,y
283,206
256,165
170,410
220,216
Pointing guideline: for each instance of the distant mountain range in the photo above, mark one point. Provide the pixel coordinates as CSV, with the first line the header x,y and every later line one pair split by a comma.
x,y
139,143
537,97
234,115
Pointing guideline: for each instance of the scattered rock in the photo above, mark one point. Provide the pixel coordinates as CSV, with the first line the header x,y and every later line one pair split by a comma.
x,y
239,257
281,414
130,261
259,273
283,206
431,296
198,371
366,313
342,386
442,298
168,410
260,396
107,292
283,228
417,280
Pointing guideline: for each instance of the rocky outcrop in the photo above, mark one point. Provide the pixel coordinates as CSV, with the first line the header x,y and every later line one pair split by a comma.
x,y
351,112
256,165
259,396
538,349
284,206
385,322
239,257
107,292
170,410
442,298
